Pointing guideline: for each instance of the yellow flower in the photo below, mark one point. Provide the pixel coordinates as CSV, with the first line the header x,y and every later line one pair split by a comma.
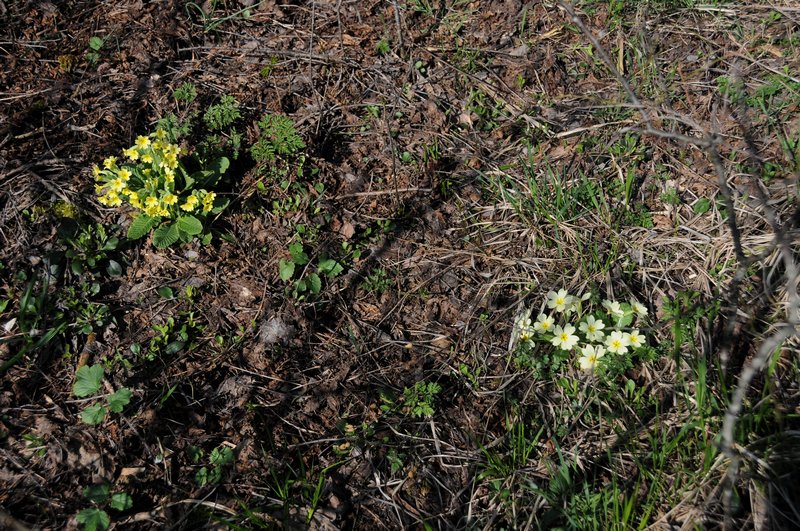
x,y
163,212
133,199
147,158
131,153
170,160
96,171
142,142
169,199
110,162
113,199
98,188
151,202
190,204
124,175
160,134
169,175
117,185
152,211
208,202
103,200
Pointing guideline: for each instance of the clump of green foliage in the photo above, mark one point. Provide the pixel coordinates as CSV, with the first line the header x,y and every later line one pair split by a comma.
x,y
277,145
419,399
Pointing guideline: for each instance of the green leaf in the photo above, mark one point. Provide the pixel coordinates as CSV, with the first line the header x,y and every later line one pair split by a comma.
x,y
201,477
95,43
221,456
221,165
315,283
166,235
94,415
286,269
220,205
627,318
94,519
330,267
702,206
194,453
114,269
111,244
190,225
299,257
140,226
174,347
215,475
165,292
97,493
119,400
88,380
121,501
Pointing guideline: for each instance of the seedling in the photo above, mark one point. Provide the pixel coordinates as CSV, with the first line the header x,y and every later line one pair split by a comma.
x,y
95,518
94,46
222,456
419,399
88,381
305,282
377,281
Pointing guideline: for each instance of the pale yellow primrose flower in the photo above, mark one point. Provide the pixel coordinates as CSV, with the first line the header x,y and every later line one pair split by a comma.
x,y
524,330
113,199
593,328
132,153
559,301
110,162
117,185
208,202
591,355
639,308
635,339
142,142
613,308
617,343
124,175
190,204
565,338
170,199
544,323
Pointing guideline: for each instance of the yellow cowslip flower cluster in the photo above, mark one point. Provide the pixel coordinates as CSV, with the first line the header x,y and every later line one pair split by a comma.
x,y
597,333
145,179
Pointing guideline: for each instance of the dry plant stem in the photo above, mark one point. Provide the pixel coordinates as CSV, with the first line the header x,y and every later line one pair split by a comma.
x,y
397,23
